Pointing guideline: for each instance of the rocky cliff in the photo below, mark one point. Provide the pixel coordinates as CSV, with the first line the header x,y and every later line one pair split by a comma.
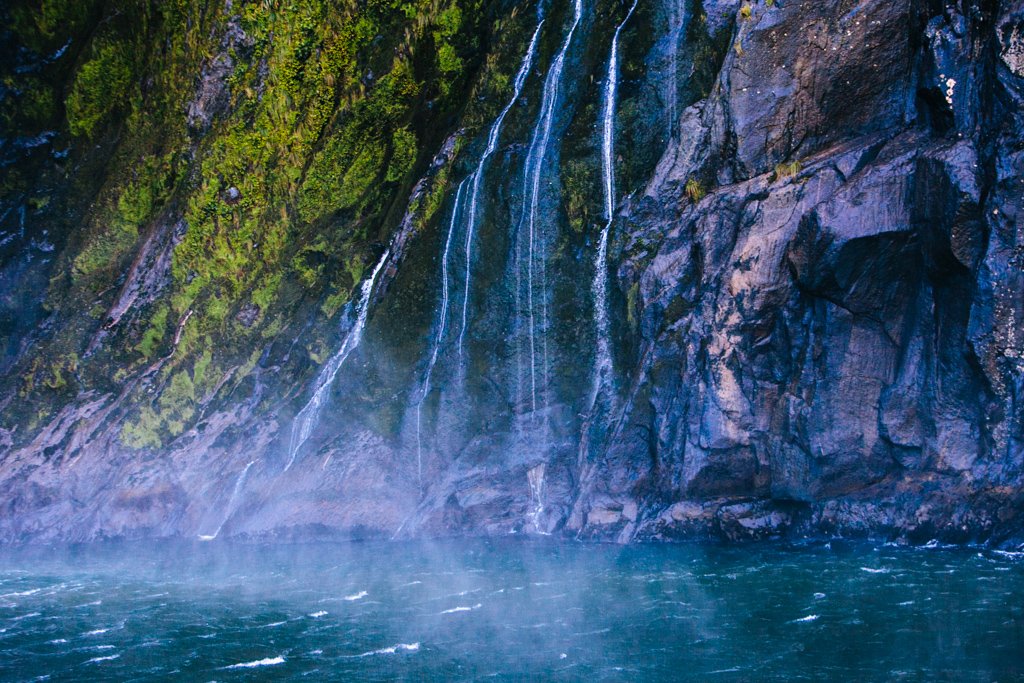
x,y
671,269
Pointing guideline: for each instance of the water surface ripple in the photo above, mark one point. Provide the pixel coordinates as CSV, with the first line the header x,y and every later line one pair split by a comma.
x,y
508,610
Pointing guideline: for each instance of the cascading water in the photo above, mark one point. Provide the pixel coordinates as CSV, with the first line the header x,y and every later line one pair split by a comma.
x,y
531,196
675,21
307,418
442,325
535,478
492,145
232,501
603,359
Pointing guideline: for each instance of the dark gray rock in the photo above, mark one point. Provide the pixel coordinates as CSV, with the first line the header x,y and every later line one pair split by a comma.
x,y
827,342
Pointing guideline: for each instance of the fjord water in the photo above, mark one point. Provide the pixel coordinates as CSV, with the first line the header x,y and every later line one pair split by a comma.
x,y
510,610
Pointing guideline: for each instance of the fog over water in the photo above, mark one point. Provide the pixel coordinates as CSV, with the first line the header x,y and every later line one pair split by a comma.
x,y
510,610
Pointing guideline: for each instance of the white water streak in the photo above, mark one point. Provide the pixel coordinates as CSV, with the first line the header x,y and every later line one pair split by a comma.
x,y
442,326
531,184
232,501
492,145
675,23
307,418
603,360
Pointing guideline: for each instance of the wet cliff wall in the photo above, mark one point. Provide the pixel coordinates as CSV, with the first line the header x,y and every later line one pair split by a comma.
x,y
811,301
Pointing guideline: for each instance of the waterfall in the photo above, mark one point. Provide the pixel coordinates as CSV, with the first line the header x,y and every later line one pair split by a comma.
x,y
492,145
531,192
535,478
307,418
603,360
442,325
232,501
675,19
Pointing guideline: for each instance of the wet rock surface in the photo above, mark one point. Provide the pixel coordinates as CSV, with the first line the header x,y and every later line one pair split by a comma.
x,y
825,339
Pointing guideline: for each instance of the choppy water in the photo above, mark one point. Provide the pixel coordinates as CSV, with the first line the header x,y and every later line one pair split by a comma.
x,y
510,611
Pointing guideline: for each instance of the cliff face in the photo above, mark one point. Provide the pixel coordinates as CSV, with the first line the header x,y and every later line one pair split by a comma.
x,y
808,322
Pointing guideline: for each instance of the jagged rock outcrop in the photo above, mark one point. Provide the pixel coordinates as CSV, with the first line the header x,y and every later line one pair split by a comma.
x,y
817,287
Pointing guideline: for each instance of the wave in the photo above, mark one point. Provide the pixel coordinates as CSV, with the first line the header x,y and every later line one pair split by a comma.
x,y
317,615
462,608
809,617
871,570
269,661
356,596
400,647
96,660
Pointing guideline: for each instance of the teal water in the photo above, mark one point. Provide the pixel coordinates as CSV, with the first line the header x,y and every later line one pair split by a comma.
x,y
510,611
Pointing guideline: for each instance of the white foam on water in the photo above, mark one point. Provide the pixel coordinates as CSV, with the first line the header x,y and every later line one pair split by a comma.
x,y
819,596
809,617
400,647
462,608
96,632
58,641
89,604
26,616
317,615
269,661
97,660
276,623
908,602
21,594
871,570
356,596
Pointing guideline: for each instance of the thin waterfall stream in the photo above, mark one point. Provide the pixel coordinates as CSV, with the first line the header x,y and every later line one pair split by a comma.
x,y
441,327
531,191
478,174
602,357
307,418
232,501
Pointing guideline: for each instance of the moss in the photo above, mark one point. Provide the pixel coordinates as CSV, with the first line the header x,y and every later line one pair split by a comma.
x,y
403,154
154,334
633,306
101,87
787,170
746,11
578,188
143,432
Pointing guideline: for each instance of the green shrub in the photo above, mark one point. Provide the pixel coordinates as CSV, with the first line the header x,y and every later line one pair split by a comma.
x,y
694,190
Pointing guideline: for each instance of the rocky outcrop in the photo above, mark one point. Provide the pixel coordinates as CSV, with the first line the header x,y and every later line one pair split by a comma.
x,y
818,286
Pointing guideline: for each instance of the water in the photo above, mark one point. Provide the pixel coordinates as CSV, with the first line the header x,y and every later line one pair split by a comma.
x,y
532,173
442,325
492,145
307,418
602,357
232,502
510,611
